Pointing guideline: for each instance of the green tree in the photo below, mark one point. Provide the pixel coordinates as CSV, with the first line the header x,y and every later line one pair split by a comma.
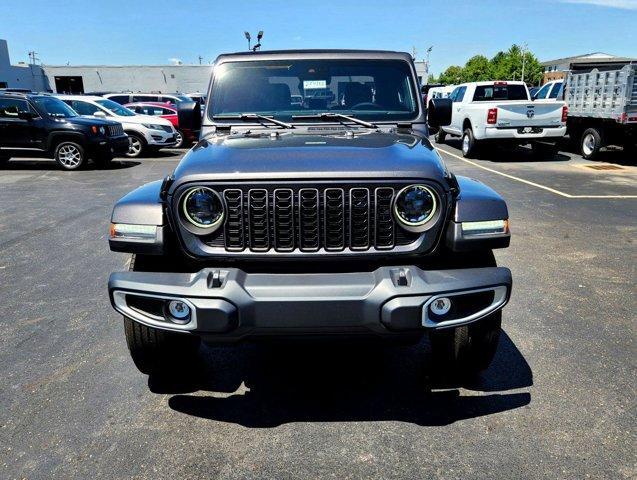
x,y
476,69
453,74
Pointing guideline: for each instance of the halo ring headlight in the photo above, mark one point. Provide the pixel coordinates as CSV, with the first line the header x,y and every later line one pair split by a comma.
x,y
415,206
203,208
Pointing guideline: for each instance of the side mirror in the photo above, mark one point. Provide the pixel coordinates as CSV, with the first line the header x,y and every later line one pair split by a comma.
x,y
26,116
439,112
99,114
189,114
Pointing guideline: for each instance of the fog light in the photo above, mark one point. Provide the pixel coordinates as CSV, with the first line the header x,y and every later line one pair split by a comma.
x,y
440,306
179,311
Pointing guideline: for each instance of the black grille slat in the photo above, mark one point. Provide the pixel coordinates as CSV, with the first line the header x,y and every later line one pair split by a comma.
x,y
258,219
234,228
309,225
359,218
284,225
383,218
334,218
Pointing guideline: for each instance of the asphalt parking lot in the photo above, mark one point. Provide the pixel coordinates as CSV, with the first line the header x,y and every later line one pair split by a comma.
x,y
559,401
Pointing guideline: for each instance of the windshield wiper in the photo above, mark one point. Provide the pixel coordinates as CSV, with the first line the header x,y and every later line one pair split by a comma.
x,y
335,116
253,116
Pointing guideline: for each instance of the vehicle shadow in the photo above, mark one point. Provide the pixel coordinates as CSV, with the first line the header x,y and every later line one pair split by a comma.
x,y
521,154
33,165
267,386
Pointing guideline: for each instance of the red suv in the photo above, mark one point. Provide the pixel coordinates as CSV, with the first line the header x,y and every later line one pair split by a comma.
x,y
185,137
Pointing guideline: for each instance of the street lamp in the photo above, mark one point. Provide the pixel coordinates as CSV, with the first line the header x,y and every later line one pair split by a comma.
x,y
248,38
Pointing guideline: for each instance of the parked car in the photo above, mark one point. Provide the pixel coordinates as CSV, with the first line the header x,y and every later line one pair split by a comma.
x,y
424,90
503,113
438,92
124,98
602,105
145,133
43,126
185,137
283,223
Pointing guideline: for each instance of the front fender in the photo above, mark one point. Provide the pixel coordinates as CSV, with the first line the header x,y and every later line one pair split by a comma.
x,y
142,206
476,202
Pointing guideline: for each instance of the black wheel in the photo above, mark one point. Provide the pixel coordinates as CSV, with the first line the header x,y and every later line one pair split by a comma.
x,y
469,144
136,146
465,351
181,139
156,351
591,142
440,136
544,151
69,155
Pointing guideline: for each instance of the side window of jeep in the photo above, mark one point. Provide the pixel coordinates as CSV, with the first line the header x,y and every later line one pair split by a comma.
x,y
10,107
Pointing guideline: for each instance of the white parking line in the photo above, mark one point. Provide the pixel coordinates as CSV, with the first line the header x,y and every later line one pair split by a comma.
x,y
528,182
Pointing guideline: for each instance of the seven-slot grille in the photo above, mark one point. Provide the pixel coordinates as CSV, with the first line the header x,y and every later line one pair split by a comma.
x,y
115,130
309,219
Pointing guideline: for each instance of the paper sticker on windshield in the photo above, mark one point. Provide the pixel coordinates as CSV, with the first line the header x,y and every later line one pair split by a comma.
x,y
310,84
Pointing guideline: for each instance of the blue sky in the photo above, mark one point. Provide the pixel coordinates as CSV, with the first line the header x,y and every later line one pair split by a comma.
x,y
153,32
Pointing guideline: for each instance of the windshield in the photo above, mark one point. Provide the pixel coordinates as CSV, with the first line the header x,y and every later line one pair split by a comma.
x,y
486,93
54,107
378,90
115,107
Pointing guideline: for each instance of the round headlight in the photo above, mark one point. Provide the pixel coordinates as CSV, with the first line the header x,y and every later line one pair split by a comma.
x,y
414,206
203,208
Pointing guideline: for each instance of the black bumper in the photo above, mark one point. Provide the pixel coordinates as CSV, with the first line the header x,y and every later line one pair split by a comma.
x,y
109,145
230,304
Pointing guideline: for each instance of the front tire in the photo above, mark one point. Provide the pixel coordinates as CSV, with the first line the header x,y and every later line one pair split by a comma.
x,y
591,143
69,155
137,145
181,139
469,144
440,136
155,351
466,351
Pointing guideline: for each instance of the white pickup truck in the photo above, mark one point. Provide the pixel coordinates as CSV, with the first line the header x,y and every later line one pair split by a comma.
x,y
503,113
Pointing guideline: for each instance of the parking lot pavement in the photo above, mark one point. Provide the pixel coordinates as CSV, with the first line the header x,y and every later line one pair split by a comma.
x,y
558,401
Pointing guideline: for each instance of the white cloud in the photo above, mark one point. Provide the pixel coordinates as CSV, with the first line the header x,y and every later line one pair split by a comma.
x,y
624,4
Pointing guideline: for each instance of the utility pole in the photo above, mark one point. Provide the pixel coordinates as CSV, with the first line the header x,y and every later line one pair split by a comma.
x,y
427,60
33,58
524,48
200,59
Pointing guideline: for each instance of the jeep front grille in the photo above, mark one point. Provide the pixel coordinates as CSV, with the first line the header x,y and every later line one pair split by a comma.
x,y
115,130
308,219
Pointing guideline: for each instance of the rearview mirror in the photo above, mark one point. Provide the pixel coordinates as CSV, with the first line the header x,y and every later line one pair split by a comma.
x,y
439,112
189,114
100,114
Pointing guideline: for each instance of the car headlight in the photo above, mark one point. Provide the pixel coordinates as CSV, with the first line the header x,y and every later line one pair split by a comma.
x,y
153,126
202,208
414,207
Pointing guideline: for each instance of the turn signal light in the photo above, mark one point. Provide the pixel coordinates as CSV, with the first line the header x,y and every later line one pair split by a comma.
x,y
492,116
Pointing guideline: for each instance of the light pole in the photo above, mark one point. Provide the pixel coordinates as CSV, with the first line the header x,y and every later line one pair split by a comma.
x,y
259,37
247,34
427,61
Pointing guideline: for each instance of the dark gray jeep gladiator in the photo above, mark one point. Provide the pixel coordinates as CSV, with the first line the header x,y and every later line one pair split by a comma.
x,y
327,217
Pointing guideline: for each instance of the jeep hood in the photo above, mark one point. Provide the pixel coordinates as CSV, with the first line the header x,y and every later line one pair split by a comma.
x,y
309,155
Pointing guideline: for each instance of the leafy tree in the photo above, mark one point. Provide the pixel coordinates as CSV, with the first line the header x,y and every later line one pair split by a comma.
x,y
503,66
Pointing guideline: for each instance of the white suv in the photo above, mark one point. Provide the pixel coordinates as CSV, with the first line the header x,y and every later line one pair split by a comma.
x,y
124,98
145,132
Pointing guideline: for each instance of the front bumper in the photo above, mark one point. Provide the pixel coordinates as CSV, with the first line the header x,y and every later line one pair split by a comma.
x,y
110,145
229,304
160,138
547,132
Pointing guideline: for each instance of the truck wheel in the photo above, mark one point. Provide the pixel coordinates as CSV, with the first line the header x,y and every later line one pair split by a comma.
x,y
136,146
181,139
440,136
69,155
469,144
465,351
591,142
156,351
